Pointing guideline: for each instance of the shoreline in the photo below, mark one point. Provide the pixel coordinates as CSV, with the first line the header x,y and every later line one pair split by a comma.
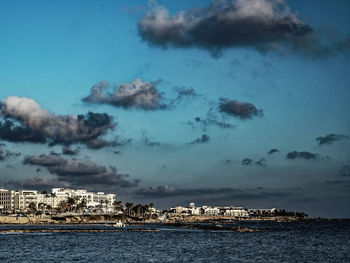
x,y
110,218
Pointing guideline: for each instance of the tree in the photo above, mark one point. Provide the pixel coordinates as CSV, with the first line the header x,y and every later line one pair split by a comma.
x,y
32,207
71,202
118,206
42,206
62,206
129,207
53,196
81,205
106,201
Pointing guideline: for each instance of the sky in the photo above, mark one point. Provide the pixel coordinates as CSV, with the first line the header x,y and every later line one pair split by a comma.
x,y
241,103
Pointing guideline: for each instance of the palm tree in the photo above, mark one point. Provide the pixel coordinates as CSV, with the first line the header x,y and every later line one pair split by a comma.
x,y
53,196
118,205
81,205
71,202
145,210
101,203
106,205
32,207
62,206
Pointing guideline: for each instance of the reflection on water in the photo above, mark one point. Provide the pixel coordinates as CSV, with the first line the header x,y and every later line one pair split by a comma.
x,y
321,241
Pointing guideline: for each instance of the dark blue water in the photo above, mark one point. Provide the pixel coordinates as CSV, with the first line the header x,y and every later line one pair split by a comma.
x,y
320,241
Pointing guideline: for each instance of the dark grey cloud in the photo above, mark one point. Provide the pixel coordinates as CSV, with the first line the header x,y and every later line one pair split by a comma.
x,y
261,162
36,183
209,121
23,120
302,155
330,138
345,171
273,150
242,110
6,154
137,94
80,173
9,131
67,150
224,193
203,139
248,161
264,25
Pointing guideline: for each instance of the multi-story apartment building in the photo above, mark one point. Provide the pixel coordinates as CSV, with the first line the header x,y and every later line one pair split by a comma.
x,y
20,200
59,195
6,202
17,200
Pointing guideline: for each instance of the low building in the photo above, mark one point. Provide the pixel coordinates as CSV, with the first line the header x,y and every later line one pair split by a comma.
x,y
234,211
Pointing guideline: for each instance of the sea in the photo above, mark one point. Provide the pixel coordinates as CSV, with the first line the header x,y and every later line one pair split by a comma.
x,y
303,241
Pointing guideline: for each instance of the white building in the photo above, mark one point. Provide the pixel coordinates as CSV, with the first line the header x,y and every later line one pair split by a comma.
x,y
6,201
17,200
234,211
59,195
11,200
210,211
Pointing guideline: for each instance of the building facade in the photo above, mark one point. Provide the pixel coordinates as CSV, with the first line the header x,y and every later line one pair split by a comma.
x,y
20,201
17,201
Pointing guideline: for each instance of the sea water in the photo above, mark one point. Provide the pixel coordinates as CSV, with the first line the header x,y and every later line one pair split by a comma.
x,y
305,241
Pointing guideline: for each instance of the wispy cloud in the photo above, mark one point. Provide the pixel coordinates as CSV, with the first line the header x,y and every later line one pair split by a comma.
x,y
330,138
248,161
226,193
203,139
273,150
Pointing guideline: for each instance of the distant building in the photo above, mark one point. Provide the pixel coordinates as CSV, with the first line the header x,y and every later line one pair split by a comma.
x,y
209,211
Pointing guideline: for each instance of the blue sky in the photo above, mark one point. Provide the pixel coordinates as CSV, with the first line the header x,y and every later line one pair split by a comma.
x,y
54,52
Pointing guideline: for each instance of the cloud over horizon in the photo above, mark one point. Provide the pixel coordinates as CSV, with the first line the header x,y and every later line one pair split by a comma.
x,y
76,172
227,193
23,120
302,155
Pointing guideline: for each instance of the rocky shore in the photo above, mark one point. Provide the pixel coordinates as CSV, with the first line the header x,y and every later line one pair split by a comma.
x,y
110,218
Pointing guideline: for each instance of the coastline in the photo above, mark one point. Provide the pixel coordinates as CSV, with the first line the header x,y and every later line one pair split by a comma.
x,y
110,218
